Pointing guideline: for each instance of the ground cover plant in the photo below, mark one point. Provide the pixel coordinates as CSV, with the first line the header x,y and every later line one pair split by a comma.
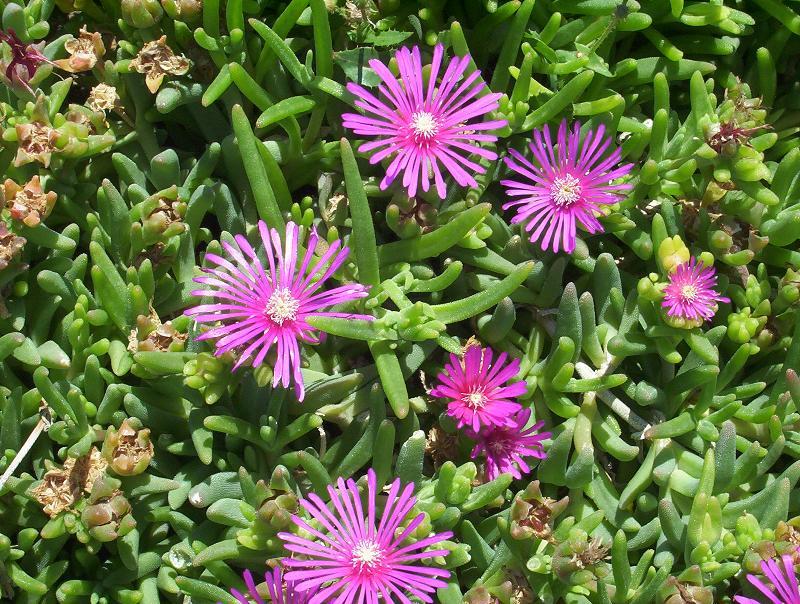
x,y
331,301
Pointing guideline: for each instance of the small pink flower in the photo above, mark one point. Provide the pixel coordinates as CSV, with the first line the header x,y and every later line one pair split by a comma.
x,y
477,391
426,127
690,293
564,186
507,447
25,59
278,593
784,588
354,558
260,308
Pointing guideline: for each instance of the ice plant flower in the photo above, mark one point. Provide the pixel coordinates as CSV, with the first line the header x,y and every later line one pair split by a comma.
x,y
25,59
566,184
507,447
259,307
690,294
157,60
477,390
278,592
784,589
354,558
425,127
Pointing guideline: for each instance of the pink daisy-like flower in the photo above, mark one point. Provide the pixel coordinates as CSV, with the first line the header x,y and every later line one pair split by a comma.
x,y
425,127
260,308
477,391
784,588
279,593
506,448
690,293
564,186
358,559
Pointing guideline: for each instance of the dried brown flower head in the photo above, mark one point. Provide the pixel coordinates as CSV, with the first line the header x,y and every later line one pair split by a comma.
x,y
157,60
441,446
10,245
84,52
36,143
102,98
62,487
28,203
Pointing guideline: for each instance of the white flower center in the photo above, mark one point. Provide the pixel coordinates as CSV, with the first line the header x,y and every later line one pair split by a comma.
x,y
282,306
474,400
565,190
424,125
366,554
689,292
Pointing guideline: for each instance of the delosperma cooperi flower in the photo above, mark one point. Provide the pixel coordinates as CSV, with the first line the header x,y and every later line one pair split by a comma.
x,y
280,591
477,391
565,185
690,293
507,447
428,128
781,586
361,558
259,307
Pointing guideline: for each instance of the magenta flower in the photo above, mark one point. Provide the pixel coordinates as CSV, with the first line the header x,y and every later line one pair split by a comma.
x,y
25,59
477,391
354,558
425,127
506,448
260,308
278,592
564,186
690,293
784,589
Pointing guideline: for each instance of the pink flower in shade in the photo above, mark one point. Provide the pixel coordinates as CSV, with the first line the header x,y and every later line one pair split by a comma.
x,y
425,126
564,186
690,293
506,448
259,307
25,59
784,588
358,559
278,592
477,391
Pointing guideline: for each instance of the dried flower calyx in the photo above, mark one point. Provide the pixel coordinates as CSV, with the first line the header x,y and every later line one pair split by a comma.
x,y
103,97
157,60
533,514
84,52
108,515
61,488
28,203
128,450
37,142
150,334
10,245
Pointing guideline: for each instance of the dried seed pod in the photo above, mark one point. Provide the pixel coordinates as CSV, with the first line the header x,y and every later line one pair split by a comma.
x,y
128,450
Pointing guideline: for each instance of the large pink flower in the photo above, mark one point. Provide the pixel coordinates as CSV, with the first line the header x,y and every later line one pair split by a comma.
x,y
564,186
426,127
507,447
477,390
784,588
278,592
358,559
259,307
690,293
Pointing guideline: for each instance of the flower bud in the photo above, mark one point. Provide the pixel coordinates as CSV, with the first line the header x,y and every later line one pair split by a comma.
x,y
141,13
672,252
108,515
187,11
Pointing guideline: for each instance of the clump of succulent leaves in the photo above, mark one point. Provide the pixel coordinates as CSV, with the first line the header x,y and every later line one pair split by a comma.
x,y
141,138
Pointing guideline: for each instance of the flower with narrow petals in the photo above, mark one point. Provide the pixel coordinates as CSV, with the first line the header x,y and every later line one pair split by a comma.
x,y
784,588
426,128
280,592
25,59
507,447
358,558
565,185
477,390
690,294
260,307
